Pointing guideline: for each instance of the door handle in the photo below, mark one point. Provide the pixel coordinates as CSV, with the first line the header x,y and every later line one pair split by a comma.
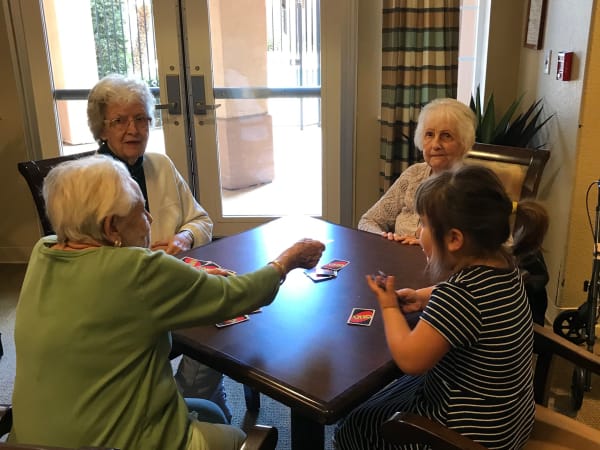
x,y
173,104
201,108
170,106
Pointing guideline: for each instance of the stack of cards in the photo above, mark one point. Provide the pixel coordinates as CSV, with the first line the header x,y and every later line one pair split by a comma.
x,y
204,265
233,321
317,274
327,271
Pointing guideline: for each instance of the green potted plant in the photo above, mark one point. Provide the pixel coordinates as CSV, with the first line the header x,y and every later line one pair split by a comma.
x,y
514,132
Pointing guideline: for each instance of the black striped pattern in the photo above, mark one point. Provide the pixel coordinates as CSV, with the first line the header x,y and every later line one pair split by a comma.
x,y
483,387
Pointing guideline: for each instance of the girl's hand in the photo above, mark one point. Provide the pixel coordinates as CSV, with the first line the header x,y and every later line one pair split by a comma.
x,y
384,289
411,300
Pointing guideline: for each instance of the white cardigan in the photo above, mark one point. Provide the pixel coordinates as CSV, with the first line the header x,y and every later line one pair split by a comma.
x,y
171,203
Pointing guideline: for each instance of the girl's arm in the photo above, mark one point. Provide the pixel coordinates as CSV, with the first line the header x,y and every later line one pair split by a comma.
x,y
414,351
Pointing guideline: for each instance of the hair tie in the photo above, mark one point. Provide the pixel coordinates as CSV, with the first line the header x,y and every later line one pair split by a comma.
x,y
514,207
117,243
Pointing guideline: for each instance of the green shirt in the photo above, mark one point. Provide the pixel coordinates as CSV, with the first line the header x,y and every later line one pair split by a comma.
x,y
92,342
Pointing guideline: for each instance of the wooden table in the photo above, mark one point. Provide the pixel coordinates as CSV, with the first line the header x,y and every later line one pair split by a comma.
x,y
299,350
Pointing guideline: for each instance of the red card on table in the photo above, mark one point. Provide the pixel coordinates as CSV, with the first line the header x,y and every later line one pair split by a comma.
x,y
361,316
233,321
336,264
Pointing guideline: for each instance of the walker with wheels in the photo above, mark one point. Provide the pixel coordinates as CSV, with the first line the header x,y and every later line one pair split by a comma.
x,y
579,325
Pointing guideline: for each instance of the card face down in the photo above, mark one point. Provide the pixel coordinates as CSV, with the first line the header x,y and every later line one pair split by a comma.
x,y
233,321
317,274
361,316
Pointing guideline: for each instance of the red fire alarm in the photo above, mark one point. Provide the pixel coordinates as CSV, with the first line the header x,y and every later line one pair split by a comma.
x,y
563,68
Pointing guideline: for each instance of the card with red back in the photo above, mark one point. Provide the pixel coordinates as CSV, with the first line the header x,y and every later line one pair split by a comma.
x,y
233,321
205,265
361,316
193,261
336,264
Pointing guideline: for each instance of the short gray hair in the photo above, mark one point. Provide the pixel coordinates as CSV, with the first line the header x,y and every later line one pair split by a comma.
x,y
457,112
119,89
81,193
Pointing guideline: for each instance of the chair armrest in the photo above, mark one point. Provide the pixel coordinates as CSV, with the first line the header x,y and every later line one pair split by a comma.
x,y
408,427
5,419
546,345
260,437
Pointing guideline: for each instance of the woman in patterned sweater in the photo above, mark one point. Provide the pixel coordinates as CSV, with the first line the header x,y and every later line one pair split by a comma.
x,y
467,361
445,133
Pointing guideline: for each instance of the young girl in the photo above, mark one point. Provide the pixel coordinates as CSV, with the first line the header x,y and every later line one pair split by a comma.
x,y
468,359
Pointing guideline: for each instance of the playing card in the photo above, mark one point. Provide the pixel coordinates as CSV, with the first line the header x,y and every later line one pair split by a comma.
x,y
320,274
205,265
361,316
233,321
336,264
194,262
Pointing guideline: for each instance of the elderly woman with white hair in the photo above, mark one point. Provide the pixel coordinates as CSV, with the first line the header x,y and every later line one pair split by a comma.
x,y
120,111
445,133
94,317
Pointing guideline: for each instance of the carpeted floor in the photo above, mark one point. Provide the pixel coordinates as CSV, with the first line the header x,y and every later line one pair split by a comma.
x,y
271,412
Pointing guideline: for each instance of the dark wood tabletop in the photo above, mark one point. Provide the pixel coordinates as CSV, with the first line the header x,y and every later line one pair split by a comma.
x,y
299,350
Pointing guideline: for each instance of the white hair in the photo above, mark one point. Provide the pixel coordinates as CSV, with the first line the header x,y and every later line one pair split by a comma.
x,y
456,112
81,193
115,88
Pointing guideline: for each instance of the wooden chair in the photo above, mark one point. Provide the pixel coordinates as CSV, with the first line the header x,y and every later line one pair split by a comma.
x,y
34,173
551,430
259,437
519,169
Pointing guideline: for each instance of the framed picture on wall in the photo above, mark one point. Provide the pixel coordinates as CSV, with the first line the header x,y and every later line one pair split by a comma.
x,y
534,31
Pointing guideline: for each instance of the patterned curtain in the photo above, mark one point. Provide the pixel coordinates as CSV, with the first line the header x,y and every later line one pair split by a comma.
x,y
420,63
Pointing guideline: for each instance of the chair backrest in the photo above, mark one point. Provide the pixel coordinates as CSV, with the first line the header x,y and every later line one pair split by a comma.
x,y
34,173
519,169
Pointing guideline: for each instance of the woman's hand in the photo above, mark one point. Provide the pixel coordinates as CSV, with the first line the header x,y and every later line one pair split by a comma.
x,y
180,242
303,254
401,238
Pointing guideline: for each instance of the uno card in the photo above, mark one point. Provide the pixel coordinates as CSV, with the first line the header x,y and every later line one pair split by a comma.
x,y
361,316
232,321
205,265
193,261
320,274
336,264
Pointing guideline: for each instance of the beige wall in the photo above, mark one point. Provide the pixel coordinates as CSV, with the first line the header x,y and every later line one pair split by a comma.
x,y
568,244
578,264
18,223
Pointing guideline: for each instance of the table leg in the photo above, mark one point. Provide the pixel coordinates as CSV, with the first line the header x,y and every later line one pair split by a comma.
x,y
252,397
306,434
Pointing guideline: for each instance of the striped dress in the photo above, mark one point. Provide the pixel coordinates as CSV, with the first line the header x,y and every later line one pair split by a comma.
x,y
483,386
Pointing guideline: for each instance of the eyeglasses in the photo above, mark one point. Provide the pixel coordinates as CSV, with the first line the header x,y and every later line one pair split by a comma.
x,y
121,123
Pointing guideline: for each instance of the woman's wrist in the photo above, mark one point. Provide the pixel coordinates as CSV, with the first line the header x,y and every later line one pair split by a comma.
x,y
190,236
280,268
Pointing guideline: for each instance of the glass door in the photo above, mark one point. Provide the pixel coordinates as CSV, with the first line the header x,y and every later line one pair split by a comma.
x,y
238,84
